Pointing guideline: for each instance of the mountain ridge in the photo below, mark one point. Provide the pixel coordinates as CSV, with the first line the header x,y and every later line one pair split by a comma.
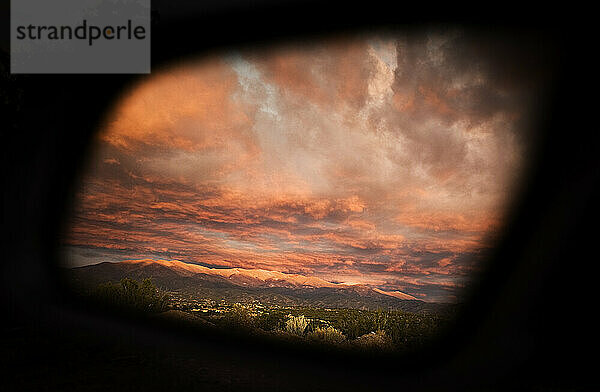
x,y
239,284
267,276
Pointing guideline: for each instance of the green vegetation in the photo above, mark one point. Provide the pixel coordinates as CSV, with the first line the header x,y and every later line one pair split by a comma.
x,y
327,335
131,295
238,317
271,321
374,340
380,330
296,325
364,329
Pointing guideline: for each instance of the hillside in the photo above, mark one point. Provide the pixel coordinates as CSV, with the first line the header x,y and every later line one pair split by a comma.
x,y
247,285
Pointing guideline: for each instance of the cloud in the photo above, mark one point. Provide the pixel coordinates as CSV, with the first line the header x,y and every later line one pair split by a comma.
x,y
383,160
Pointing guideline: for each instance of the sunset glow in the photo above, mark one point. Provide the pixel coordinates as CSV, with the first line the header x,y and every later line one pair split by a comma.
x,y
382,161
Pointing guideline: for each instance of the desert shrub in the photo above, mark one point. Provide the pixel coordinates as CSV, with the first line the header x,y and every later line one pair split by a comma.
x,y
374,340
239,317
380,319
401,328
130,294
354,323
411,329
270,321
316,323
296,324
327,335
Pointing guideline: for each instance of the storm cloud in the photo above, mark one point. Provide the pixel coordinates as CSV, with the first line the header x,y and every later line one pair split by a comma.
x,y
382,160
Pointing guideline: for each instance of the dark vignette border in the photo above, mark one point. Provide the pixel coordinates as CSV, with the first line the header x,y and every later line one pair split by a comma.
x,y
515,331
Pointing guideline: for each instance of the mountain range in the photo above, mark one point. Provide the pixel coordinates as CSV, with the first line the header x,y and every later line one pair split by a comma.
x,y
243,285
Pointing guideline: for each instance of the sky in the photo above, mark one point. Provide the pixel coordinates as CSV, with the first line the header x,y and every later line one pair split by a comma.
x,y
381,160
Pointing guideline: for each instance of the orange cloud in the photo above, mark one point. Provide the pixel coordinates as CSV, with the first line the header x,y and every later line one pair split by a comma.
x,y
356,161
